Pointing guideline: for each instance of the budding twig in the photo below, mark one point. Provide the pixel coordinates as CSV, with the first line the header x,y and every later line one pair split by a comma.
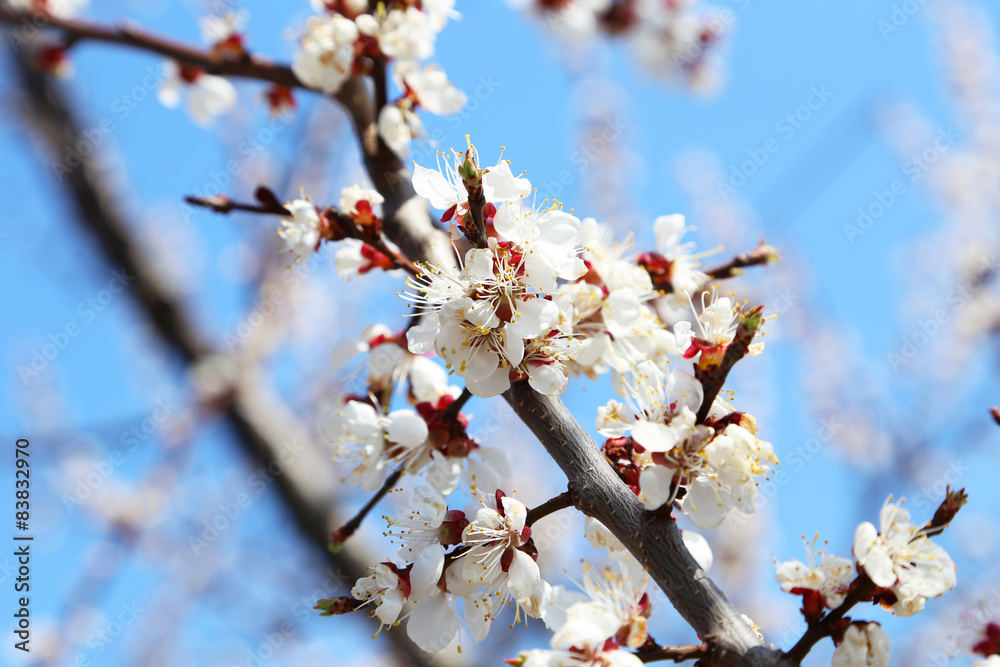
x,y
712,379
222,204
339,536
863,590
761,255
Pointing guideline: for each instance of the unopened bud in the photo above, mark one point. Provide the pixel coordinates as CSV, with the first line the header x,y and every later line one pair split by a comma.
x,y
953,501
337,606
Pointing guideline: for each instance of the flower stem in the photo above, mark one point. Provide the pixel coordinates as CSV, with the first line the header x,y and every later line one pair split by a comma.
x,y
551,506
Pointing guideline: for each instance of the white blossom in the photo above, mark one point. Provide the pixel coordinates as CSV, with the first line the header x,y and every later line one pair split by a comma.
x,y
430,84
831,577
399,126
363,436
207,95
685,269
863,646
402,34
301,233
326,56
496,564
900,556
61,9
351,196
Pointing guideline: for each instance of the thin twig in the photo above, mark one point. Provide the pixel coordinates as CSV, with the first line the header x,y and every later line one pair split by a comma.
x,y
339,536
224,205
713,379
451,412
551,506
759,256
675,653
863,590
221,204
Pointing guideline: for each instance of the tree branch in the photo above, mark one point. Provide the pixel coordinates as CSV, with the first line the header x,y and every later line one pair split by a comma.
x,y
251,67
675,653
653,539
863,590
266,428
761,255
550,506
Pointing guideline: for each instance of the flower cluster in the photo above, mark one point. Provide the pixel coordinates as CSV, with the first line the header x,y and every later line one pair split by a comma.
x,y
600,626
900,558
711,467
673,40
355,222
540,294
492,567
345,39
822,585
896,565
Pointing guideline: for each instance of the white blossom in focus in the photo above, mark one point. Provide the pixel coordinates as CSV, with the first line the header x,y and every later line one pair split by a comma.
x,y
369,439
898,555
831,577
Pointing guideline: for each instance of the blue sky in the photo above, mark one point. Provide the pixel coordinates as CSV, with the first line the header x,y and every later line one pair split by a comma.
x,y
839,57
